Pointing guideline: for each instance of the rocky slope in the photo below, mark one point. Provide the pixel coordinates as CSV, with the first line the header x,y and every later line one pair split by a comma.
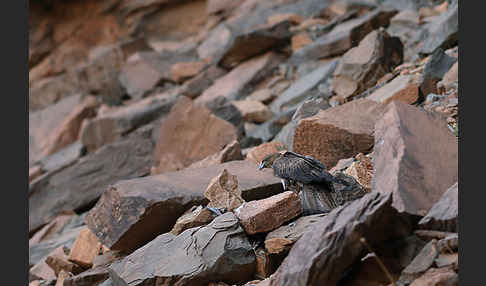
x,y
147,120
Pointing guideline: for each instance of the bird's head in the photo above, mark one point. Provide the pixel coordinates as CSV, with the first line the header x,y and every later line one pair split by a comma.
x,y
267,162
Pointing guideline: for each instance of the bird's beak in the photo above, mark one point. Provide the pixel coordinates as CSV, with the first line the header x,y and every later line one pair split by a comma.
x,y
260,166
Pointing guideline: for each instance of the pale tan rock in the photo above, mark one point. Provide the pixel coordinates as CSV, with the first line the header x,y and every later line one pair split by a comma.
x,y
257,154
291,17
362,171
222,192
268,214
402,88
85,248
58,261
195,216
190,133
230,152
61,277
339,132
34,172
300,40
253,111
43,271
264,95
185,70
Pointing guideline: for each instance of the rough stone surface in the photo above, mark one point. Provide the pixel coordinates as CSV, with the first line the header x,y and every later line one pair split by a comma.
x,y
436,67
419,265
233,85
219,251
114,124
268,214
253,111
403,88
93,276
63,158
179,72
406,164
281,239
58,261
42,271
362,66
334,242
85,248
299,90
339,132
443,33
362,171
437,276
198,134
222,192
444,214
195,216
80,185
257,154
231,152
154,203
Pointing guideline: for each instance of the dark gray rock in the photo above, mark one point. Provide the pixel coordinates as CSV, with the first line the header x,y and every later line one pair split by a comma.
x,y
219,251
90,277
272,127
421,263
63,158
436,67
334,242
444,32
444,214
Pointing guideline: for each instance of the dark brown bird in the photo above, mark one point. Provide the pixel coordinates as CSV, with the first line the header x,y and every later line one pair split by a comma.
x,y
294,168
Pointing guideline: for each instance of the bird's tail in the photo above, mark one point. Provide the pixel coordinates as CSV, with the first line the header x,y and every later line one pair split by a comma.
x,y
325,193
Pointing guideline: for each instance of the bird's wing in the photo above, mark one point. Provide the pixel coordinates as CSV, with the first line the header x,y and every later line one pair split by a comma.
x,y
299,168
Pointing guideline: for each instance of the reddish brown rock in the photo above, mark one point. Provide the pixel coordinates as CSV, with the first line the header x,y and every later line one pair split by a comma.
x,y
258,153
231,152
179,72
62,276
362,66
444,214
93,276
85,248
291,17
58,261
339,132
268,214
68,130
266,263
281,239
195,216
253,111
362,171
406,164
198,134
222,192
437,276
219,251
197,85
403,88
300,40
234,84
154,203
334,242
111,125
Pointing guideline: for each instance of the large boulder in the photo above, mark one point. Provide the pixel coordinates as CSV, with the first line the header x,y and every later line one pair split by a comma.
x,y
339,132
334,243
219,251
154,203
415,157
197,132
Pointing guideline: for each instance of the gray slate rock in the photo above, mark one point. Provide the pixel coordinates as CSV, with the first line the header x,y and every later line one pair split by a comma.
x,y
436,67
219,251
444,214
443,33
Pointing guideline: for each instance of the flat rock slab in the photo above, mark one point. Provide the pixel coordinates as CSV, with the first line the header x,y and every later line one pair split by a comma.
x,y
81,184
443,33
334,243
133,212
268,214
444,214
339,132
415,157
219,251
282,238
402,88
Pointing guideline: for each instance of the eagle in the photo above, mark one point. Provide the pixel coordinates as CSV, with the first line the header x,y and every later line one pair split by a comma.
x,y
310,173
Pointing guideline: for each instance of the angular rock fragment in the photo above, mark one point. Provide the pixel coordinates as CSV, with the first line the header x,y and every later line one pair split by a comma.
x,y
300,89
339,132
231,152
268,214
181,71
437,276
154,203
62,276
222,192
234,84
80,185
436,67
34,172
419,265
197,85
195,216
63,158
112,125
403,88
85,248
257,154
266,263
253,111
334,242
198,134
219,251
362,170
362,66
406,164
444,214
443,33
93,276
281,239
344,36
58,261
41,271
